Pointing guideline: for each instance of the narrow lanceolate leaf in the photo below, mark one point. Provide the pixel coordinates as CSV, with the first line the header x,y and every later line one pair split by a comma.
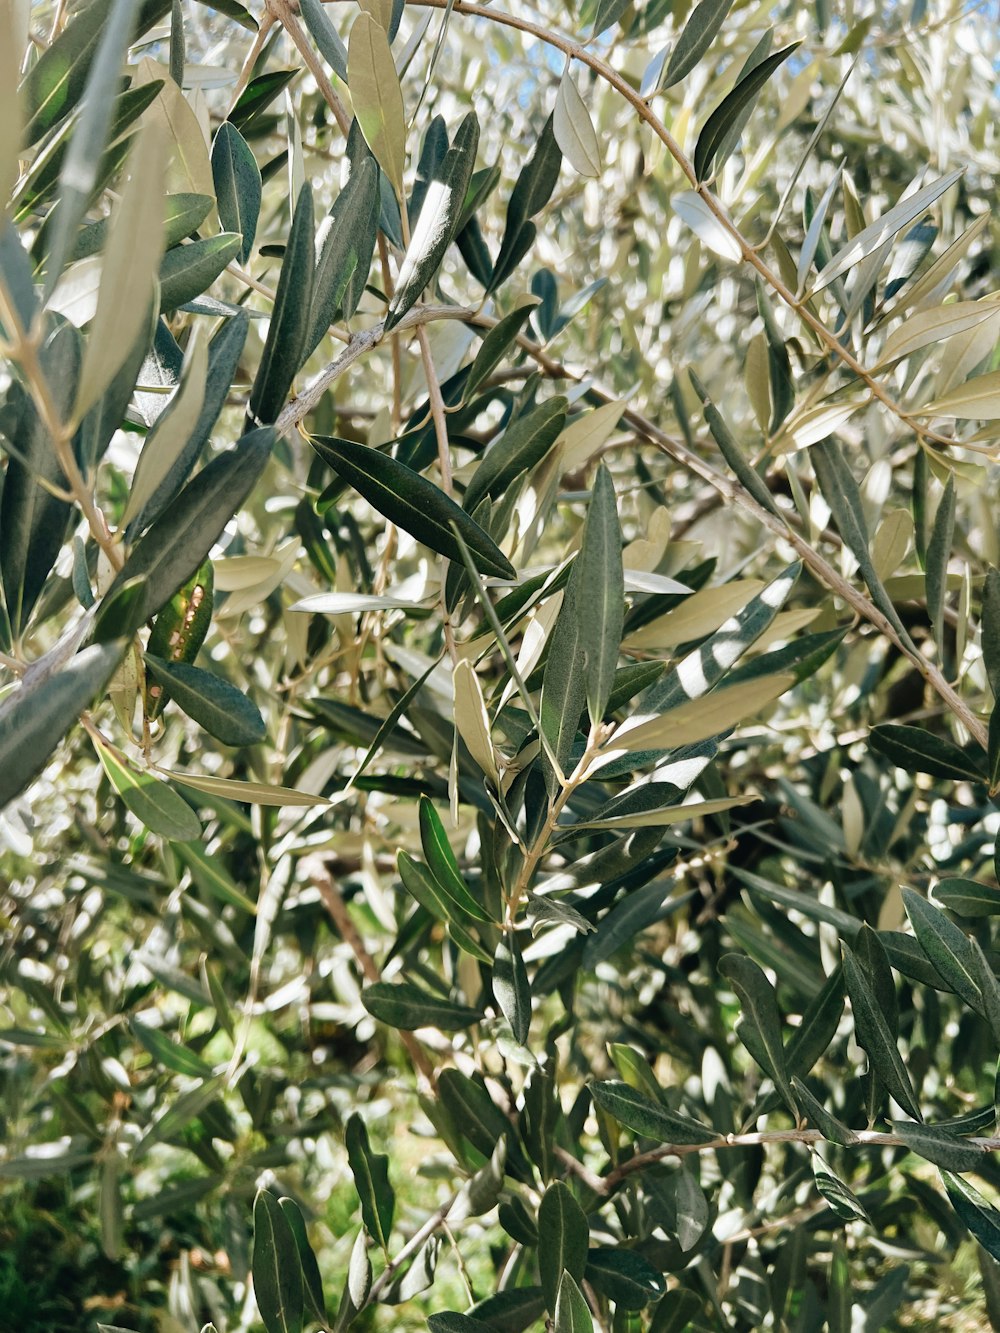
x,y
277,1272
325,35
601,593
563,1238
572,1313
187,271
413,503
761,1020
406,1007
495,347
451,1322
174,426
472,720
33,522
974,1212
224,711
918,751
731,450
978,398
967,897
933,326
437,221
312,1283
523,444
442,863
377,99
135,241
35,717
253,793
700,718
512,988
640,1113
938,1145
696,37
347,251
178,542
874,1034
422,886
625,1276
732,109
80,172
237,185
938,555
574,130
11,106
153,802
946,946
285,347
371,1178
883,229
531,193
210,876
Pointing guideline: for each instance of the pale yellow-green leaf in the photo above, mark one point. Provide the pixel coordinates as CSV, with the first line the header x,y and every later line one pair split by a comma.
x,y
131,261
852,817
255,593
965,351
167,439
574,130
758,380
977,398
932,326
75,294
123,690
892,541
380,10
254,793
671,814
471,719
697,719
377,99
784,626
700,614
236,572
11,117
190,169
690,207
815,424
587,433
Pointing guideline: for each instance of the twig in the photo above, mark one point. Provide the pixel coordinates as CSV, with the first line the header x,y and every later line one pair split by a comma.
x,y
283,12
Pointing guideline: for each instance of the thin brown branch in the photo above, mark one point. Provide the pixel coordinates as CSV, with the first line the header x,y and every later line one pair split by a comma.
x,y
283,12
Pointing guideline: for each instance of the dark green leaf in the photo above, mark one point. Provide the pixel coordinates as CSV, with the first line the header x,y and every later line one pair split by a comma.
x,y
940,1146
371,1177
449,1322
524,443
259,93
696,37
35,717
731,451
172,1055
531,193
968,897
211,876
237,185
637,1112
946,947
223,710
841,1198
673,1314
285,348
176,545
991,629
608,12
186,271
625,1277
732,108
413,503
442,863
762,1019
438,220
494,348
347,252
975,1212
425,889
406,1006
563,1236
511,1311
277,1272
151,800
875,1035
918,751
572,1313
512,988
326,37
813,1109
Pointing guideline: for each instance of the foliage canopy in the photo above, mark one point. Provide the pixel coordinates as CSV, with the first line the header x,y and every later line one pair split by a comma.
x,y
499,638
